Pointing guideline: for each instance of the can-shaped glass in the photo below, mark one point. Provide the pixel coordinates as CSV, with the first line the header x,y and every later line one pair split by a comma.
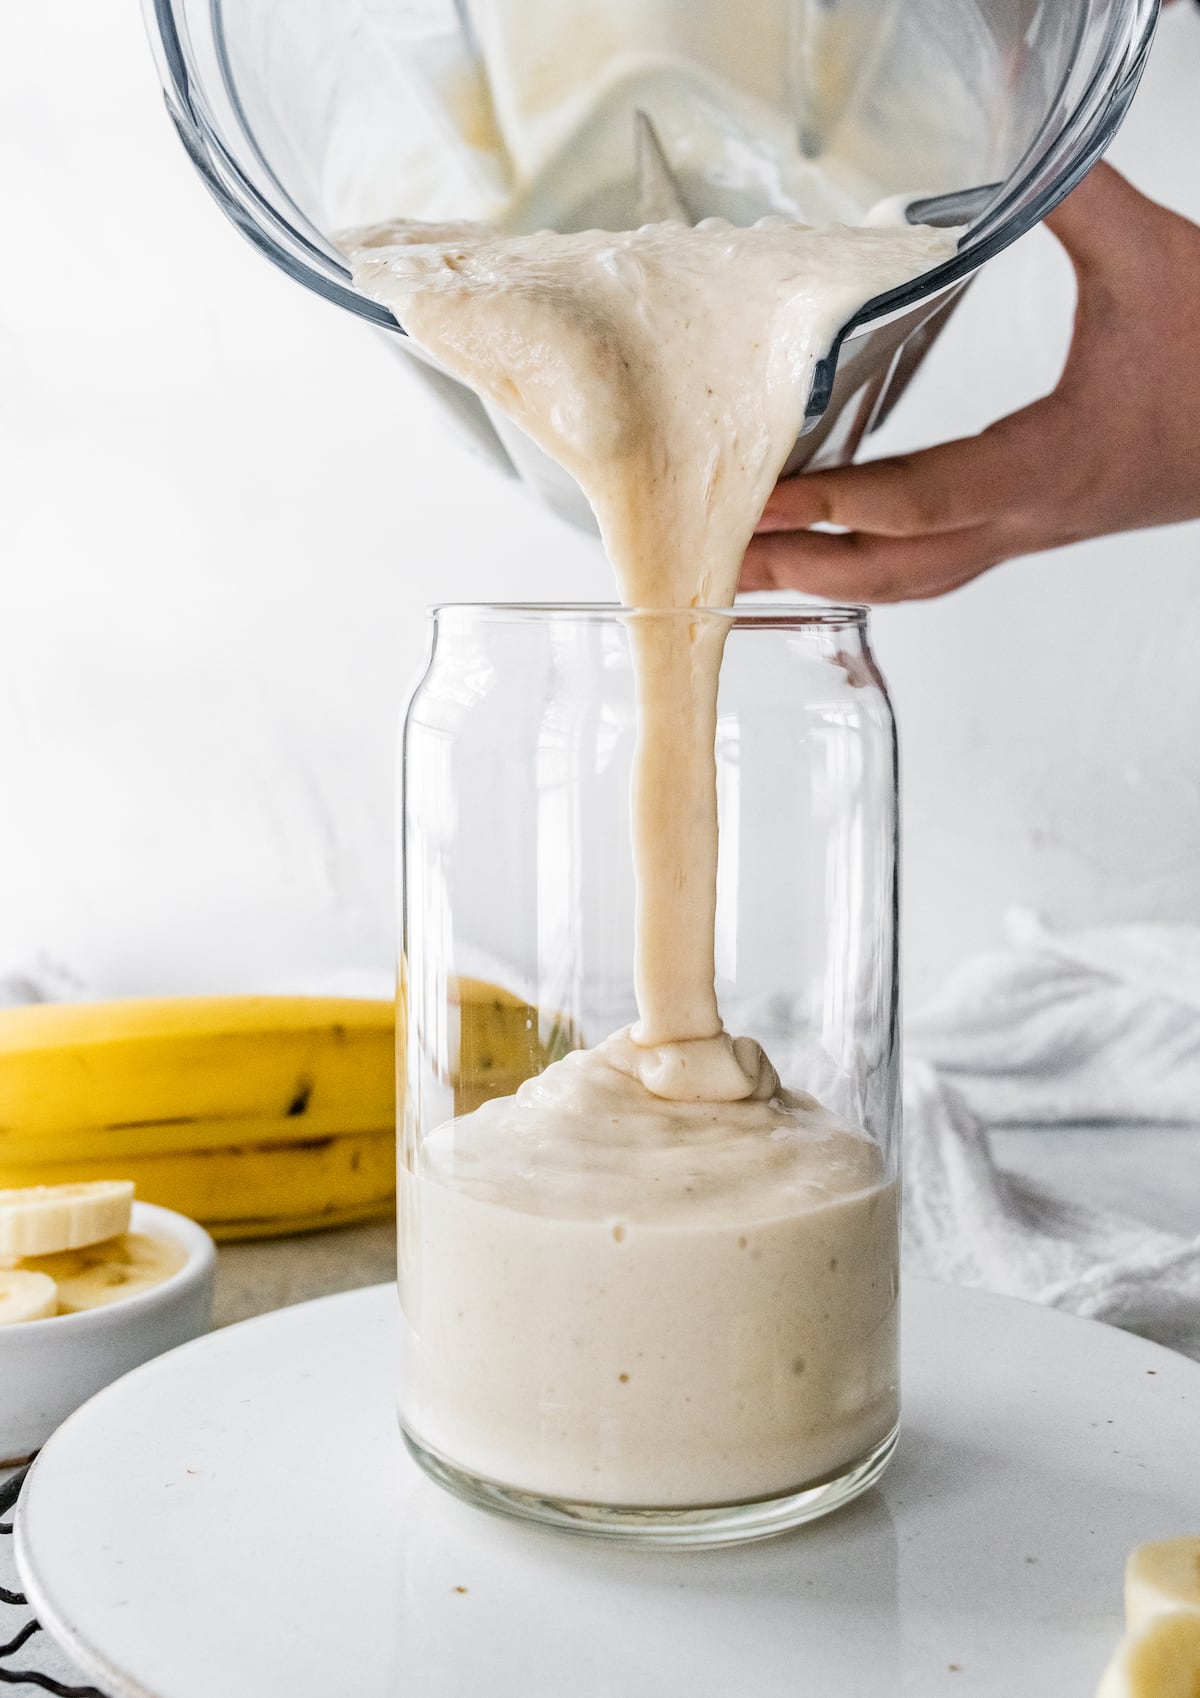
x,y
620,1315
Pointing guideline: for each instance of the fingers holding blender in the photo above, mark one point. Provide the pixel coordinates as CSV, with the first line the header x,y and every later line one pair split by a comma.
x,y
1107,225
915,525
921,524
857,566
906,495
1009,472
1130,386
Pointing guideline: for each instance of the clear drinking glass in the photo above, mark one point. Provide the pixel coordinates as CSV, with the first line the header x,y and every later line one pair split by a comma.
x,y
633,1343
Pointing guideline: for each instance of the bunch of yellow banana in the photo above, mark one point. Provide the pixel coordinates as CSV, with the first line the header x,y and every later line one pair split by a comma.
x,y
255,1115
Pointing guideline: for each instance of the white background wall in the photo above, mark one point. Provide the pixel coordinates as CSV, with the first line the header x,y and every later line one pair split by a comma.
x,y
224,508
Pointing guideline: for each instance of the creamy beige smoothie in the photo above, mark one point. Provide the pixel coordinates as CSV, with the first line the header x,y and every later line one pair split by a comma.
x,y
655,1276
618,1299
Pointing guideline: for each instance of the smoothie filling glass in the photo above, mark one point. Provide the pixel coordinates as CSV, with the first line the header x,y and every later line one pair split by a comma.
x,y
664,1316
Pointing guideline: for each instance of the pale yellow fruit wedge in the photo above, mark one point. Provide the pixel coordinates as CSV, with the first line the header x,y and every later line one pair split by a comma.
x,y
1160,1579
39,1220
106,1273
1160,1661
26,1296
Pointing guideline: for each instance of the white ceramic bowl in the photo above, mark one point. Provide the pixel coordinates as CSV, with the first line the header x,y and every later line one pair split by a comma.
x,y
48,1368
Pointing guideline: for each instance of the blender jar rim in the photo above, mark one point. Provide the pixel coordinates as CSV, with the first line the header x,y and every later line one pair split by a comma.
x,y
1048,172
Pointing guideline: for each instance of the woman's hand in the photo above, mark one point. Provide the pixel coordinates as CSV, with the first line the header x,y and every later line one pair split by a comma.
x,y
1116,447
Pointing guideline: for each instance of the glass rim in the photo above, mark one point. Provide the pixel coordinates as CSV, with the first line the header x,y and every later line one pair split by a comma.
x,y
780,615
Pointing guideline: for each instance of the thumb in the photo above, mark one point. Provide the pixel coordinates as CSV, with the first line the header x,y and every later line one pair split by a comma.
x,y
1100,222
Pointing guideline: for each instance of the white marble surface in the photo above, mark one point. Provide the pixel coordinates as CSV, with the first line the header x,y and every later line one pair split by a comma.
x,y
274,1273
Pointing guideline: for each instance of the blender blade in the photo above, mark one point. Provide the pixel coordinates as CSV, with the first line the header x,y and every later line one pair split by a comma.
x,y
660,197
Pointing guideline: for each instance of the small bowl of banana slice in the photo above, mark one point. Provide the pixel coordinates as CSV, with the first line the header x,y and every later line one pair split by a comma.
x,y
92,1284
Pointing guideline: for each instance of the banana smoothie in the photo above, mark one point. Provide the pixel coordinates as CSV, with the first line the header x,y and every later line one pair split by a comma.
x,y
656,1276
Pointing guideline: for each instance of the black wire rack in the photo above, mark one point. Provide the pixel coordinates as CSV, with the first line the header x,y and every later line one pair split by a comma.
x,y
27,1630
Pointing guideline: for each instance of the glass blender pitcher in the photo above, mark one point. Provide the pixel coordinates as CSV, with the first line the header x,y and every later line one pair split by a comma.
x,y
306,117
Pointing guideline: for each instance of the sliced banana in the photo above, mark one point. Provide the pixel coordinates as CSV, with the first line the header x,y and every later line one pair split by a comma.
x,y
26,1296
108,1272
1161,1661
1160,1579
41,1220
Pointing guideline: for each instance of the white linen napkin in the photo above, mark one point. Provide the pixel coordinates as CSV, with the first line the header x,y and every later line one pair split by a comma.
x,y
1099,1026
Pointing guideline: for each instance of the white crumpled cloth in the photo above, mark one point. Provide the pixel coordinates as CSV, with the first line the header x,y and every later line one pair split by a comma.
x,y
1101,1025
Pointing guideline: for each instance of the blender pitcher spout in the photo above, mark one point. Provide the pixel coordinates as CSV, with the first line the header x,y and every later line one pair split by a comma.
x,y
305,118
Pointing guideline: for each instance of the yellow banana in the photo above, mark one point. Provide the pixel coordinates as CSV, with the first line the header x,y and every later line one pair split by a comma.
x,y
502,1041
321,1062
257,1116
254,1115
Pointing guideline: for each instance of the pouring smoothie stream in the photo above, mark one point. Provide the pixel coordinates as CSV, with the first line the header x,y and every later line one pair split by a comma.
x,y
667,370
